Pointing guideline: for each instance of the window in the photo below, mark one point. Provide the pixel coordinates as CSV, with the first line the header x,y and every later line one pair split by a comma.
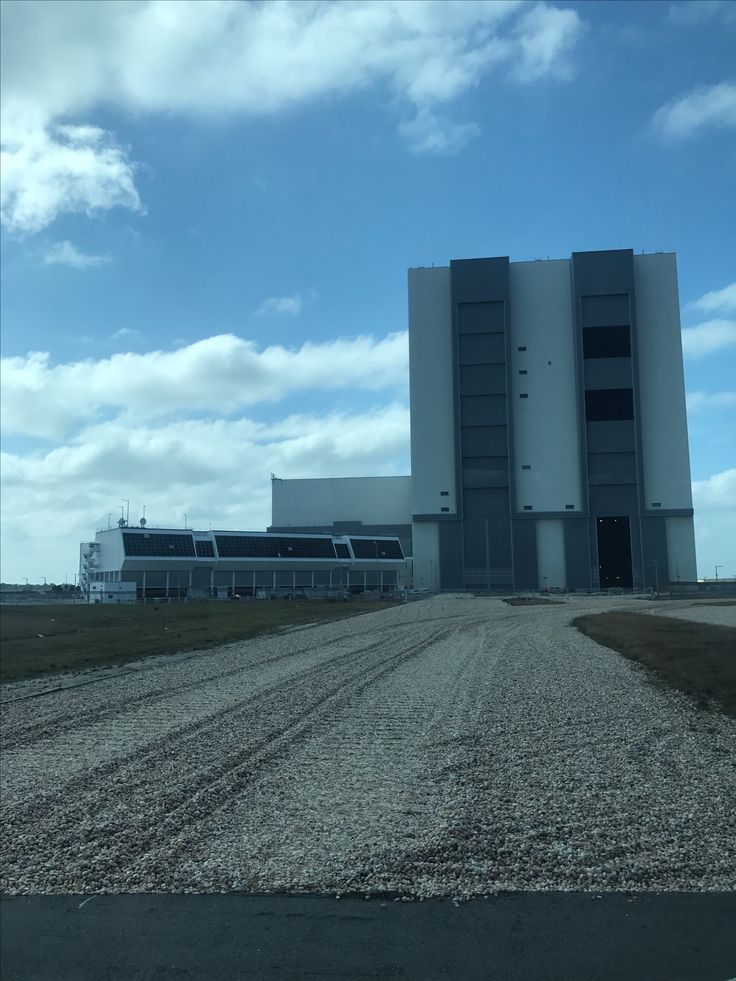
x,y
444,493
569,507
524,396
146,543
521,349
274,546
657,504
523,371
527,507
526,466
606,342
205,549
444,509
377,548
341,550
609,404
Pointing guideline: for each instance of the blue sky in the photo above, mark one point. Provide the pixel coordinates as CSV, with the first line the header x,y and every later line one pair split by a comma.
x,y
209,210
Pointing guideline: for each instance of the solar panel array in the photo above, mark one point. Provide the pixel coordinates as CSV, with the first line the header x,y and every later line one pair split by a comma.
x,y
147,543
342,551
273,547
205,548
376,548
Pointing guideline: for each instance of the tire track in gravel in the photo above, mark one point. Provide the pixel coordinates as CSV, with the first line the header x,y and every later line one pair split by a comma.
x,y
142,842
15,733
73,718
203,727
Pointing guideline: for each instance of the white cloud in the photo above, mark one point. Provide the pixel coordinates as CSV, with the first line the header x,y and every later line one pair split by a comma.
x,y
219,374
710,400
717,301
706,338
229,57
281,304
215,470
691,13
545,37
706,107
714,501
47,170
67,254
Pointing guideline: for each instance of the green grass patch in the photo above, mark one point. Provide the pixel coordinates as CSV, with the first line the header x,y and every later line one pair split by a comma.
x,y
696,658
39,640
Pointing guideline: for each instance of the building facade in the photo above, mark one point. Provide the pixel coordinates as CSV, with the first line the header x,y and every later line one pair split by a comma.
x,y
189,564
343,506
548,429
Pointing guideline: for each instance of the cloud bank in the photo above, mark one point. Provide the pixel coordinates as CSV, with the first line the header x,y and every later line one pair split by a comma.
x,y
62,61
708,107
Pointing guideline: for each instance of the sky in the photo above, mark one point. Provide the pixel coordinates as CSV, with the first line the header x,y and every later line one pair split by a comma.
x,y
209,208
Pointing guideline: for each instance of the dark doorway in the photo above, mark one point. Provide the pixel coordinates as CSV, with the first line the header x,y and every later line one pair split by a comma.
x,y
614,553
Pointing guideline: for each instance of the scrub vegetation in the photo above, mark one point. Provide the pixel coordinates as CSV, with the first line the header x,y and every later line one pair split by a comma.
x,y
696,658
39,640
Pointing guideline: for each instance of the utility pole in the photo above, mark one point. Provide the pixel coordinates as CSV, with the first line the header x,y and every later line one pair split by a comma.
x,y
656,575
717,568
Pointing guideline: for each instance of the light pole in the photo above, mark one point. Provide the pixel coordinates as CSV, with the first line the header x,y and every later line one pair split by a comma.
x,y
656,575
717,568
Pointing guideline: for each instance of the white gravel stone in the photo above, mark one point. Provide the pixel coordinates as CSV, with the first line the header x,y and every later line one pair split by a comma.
x,y
452,746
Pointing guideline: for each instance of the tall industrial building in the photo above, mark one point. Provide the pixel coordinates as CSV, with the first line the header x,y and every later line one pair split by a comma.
x,y
548,428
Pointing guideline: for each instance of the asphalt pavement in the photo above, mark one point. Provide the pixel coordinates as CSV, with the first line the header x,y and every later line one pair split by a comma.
x,y
570,936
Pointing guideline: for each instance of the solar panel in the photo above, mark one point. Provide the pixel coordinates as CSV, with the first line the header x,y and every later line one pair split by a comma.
x,y
274,547
205,548
147,543
376,548
341,550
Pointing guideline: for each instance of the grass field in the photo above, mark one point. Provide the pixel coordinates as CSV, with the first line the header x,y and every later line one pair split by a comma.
x,y
39,640
696,658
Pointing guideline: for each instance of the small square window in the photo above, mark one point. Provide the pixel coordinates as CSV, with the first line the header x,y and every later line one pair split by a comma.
x,y
526,466
444,509
527,507
569,507
657,504
521,349
523,371
444,493
524,396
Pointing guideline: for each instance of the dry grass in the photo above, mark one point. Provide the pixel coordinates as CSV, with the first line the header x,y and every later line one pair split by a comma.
x,y
38,640
531,601
696,658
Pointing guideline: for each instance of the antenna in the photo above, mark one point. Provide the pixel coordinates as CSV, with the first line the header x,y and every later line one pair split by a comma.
x,y
127,513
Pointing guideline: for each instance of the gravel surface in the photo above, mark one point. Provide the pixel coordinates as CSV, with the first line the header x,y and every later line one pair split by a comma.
x,y
720,615
452,746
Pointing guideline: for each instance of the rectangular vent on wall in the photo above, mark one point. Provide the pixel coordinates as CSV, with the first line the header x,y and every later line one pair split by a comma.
x,y
657,504
524,396
569,507
444,493
444,509
526,466
521,349
523,371
527,507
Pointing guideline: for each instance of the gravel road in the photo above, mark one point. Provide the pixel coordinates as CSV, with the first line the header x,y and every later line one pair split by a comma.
x,y
452,746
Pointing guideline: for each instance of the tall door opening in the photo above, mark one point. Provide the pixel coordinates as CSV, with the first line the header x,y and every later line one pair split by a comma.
x,y
614,553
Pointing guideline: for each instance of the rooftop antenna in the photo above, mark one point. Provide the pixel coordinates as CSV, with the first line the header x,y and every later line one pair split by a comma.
x,y
127,514
143,519
109,521
185,520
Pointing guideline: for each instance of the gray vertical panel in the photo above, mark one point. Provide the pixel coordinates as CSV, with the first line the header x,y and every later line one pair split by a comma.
x,y
577,559
654,549
451,555
526,575
480,295
603,294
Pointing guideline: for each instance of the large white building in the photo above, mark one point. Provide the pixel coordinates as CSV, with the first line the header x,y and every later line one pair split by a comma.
x,y
548,428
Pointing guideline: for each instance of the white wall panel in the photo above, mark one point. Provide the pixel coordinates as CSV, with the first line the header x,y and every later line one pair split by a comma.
x,y
665,454
426,539
322,501
431,391
545,424
551,553
681,549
